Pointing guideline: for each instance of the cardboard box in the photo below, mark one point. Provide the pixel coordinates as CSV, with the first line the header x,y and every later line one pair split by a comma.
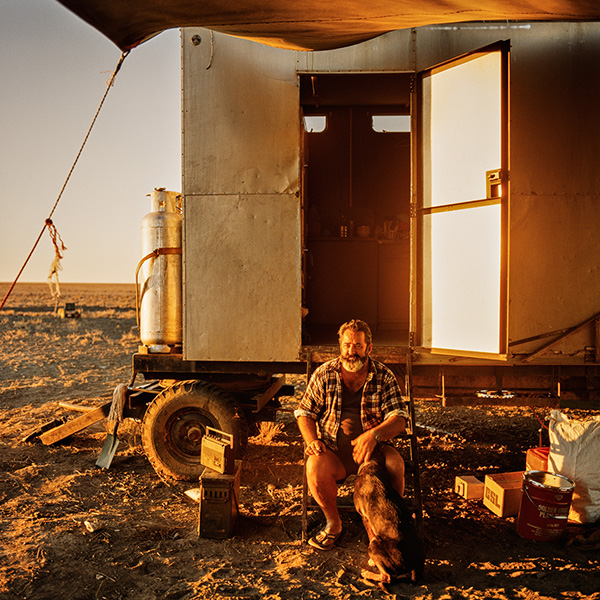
x,y
469,487
502,493
537,459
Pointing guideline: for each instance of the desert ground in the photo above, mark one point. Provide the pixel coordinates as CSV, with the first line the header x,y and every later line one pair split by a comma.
x,y
70,530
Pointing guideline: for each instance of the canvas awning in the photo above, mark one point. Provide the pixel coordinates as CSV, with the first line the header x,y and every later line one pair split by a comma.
x,y
310,24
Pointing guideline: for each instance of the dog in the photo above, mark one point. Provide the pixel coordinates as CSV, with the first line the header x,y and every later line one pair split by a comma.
x,y
395,547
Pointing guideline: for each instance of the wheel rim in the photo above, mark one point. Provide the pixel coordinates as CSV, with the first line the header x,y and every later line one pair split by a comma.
x,y
184,431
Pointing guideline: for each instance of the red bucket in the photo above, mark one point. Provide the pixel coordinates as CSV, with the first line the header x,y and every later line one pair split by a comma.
x,y
544,506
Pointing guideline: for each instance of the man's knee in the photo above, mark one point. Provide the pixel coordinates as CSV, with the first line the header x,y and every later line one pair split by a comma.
x,y
313,467
390,453
394,464
324,467
393,459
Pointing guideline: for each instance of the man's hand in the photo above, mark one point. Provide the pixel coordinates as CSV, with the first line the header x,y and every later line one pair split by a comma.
x,y
308,429
315,447
364,445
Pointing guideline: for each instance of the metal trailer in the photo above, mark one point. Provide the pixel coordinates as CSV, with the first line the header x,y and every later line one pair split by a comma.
x,y
439,183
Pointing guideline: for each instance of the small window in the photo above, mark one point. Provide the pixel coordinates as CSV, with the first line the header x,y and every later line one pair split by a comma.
x,y
315,123
391,123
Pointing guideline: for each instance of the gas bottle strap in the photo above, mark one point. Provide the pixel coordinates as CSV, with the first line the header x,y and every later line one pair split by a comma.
x,y
155,253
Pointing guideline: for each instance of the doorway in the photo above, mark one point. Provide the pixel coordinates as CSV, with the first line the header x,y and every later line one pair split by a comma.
x,y
356,204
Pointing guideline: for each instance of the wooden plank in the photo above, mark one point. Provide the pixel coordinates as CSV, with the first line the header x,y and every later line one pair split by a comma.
x,y
70,427
262,399
77,407
35,433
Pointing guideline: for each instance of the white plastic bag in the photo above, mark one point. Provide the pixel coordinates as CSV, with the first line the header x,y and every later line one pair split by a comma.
x,y
575,453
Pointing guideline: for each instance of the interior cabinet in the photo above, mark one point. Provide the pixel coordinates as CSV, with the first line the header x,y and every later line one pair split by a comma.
x,y
356,278
341,274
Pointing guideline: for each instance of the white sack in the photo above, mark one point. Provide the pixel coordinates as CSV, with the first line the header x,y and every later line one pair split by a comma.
x,y
575,453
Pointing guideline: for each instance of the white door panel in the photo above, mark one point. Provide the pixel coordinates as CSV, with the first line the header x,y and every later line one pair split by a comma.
x,y
462,271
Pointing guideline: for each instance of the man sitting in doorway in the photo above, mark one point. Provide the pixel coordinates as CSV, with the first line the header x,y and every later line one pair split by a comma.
x,y
352,405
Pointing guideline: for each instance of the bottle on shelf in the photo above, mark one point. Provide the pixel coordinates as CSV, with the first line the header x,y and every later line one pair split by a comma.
x,y
343,226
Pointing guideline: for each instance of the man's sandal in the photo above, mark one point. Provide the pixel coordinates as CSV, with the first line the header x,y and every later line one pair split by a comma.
x,y
324,540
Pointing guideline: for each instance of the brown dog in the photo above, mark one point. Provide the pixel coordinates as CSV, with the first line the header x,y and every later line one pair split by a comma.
x,y
395,547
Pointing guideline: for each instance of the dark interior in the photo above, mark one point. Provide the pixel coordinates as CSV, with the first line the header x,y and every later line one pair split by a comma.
x,y
356,188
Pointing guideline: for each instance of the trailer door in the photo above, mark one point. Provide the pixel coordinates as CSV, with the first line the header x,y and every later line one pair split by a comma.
x,y
242,247
461,204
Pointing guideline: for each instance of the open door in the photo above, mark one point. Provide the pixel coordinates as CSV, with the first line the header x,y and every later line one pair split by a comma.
x,y
462,204
242,285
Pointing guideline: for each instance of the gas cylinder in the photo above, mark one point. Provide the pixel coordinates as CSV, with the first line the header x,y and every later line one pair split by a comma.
x,y
161,285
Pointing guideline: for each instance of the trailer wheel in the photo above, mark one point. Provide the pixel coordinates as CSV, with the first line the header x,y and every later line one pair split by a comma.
x,y
176,421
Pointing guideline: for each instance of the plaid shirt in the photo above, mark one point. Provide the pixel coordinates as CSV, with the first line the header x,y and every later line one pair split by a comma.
x,y
322,400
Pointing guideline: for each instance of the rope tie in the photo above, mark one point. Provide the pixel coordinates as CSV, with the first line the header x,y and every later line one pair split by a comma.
x,y
117,405
55,267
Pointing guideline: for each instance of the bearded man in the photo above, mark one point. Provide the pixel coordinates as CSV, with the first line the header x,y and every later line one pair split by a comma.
x,y
352,406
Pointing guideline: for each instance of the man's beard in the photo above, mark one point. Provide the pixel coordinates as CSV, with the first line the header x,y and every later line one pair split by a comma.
x,y
354,364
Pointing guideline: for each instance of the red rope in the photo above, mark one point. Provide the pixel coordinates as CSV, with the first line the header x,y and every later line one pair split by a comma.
x,y
541,429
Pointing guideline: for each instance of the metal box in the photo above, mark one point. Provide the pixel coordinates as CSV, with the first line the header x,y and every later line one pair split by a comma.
x,y
217,451
219,502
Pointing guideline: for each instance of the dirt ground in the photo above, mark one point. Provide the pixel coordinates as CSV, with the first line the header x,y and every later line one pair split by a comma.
x,y
145,543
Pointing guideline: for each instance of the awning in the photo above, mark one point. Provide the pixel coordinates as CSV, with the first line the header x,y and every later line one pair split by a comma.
x,y
310,24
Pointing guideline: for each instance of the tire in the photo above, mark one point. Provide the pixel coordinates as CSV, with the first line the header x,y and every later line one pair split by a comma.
x,y
176,421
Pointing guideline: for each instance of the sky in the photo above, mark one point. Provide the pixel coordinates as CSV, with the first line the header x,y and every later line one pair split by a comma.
x,y
54,68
